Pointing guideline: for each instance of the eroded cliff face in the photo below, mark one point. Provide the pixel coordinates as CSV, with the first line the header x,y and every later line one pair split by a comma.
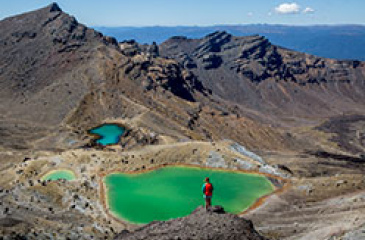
x,y
262,77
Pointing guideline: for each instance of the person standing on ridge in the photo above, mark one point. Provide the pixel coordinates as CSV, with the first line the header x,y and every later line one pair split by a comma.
x,y
208,193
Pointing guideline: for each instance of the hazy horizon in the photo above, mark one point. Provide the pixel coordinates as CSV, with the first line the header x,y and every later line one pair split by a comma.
x,y
204,13
232,25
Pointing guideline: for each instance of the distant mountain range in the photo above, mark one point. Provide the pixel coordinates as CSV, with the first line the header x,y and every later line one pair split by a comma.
x,y
340,42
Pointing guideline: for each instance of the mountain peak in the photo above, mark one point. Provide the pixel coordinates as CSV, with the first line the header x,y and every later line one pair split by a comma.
x,y
217,33
53,7
213,42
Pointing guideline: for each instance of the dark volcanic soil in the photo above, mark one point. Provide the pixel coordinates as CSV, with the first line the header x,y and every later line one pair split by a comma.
x,y
349,132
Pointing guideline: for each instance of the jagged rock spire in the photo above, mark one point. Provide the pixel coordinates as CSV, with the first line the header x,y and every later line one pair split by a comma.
x,y
54,7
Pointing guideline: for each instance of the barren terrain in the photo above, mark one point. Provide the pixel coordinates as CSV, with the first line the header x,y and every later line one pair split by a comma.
x,y
237,103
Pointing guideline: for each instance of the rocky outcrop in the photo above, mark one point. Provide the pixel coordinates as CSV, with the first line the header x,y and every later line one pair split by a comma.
x,y
212,43
259,60
153,50
211,61
155,73
130,48
202,225
252,72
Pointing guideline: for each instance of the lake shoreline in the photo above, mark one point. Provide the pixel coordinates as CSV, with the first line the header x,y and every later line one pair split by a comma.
x,y
284,184
42,177
97,137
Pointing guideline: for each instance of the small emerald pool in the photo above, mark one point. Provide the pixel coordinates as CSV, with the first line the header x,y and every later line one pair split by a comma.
x,y
59,174
108,134
175,191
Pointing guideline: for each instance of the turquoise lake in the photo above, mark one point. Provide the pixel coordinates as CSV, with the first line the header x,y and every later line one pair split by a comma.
x,y
172,192
109,134
59,174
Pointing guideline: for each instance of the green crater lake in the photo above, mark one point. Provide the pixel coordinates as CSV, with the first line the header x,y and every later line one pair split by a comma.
x,y
109,134
172,192
59,174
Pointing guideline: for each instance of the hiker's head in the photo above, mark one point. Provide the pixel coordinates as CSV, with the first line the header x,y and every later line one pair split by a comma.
x,y
207,179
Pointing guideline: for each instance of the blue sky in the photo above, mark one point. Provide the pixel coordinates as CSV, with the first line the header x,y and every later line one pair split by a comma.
x,y
200,12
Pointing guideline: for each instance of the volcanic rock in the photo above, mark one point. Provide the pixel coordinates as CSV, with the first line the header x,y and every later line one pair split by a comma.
x,y
257,75
200,225
211,61
153,50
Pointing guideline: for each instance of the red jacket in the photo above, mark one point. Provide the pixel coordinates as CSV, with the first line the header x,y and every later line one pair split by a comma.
x,y
208,189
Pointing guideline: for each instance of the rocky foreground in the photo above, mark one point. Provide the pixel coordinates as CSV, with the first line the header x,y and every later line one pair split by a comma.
x,y
214,224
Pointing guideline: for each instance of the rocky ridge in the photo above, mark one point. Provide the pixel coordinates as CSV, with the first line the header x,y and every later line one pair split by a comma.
x,y
200,224
259,76
99,79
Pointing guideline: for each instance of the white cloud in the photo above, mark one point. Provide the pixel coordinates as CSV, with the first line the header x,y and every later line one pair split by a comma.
x,y
288,8
308,10
250,14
